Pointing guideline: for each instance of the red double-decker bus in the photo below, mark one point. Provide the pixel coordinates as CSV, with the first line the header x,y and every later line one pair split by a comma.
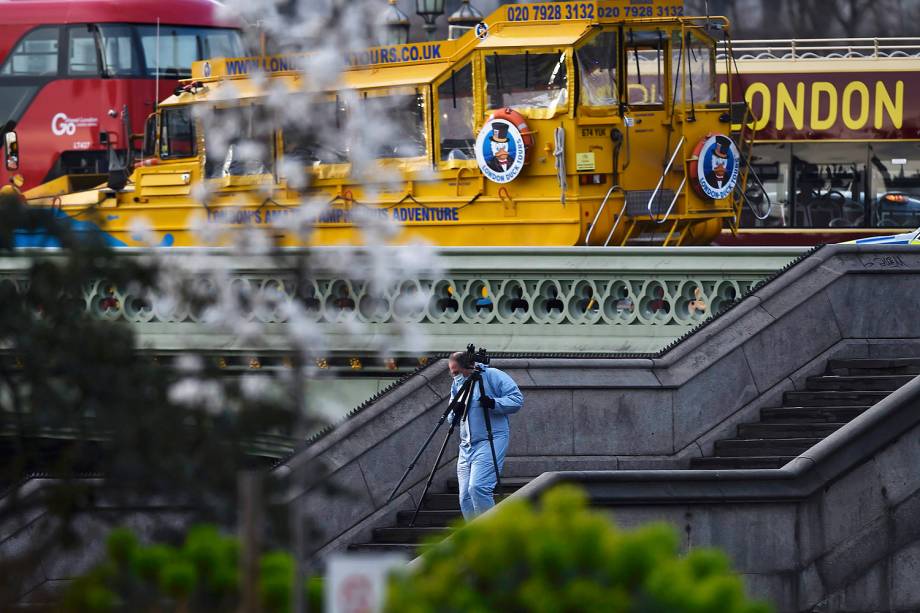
x,y
79,77
837,139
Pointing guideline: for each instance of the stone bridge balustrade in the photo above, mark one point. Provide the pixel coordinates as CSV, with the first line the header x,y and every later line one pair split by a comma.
x,y
512,300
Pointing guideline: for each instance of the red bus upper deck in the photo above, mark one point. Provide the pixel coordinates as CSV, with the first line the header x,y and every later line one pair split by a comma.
x,y
79,77
837,138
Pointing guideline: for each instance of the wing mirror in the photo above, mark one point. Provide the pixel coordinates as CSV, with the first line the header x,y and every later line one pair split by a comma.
x,y
11,145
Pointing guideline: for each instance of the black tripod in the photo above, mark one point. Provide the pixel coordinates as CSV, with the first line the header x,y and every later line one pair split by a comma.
x,y
460,405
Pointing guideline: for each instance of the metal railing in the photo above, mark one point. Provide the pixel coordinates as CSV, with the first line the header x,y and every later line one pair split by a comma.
x,y
740,188
664,174
600,210
616,222
823,48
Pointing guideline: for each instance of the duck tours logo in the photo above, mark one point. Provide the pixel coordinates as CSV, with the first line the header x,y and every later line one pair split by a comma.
x,y
718,169
500,151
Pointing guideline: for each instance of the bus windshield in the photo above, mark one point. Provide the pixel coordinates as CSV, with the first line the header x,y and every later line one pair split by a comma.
x,y
129,50
180,46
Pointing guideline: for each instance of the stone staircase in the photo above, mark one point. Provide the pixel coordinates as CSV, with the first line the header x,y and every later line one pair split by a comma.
x,y
829,401
439,510
848,388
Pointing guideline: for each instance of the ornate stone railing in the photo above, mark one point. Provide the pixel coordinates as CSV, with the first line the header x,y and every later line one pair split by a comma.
x,y
508,299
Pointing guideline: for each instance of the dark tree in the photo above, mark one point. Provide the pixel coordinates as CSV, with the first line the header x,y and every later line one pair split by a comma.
x,y
777,19
81,407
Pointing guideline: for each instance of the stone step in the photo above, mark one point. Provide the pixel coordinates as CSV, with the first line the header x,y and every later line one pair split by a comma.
x,y
509,484
868,366
736,463
410,549
841,414
832,399
407,535
735,447
441,502
859,383
777,430
428,519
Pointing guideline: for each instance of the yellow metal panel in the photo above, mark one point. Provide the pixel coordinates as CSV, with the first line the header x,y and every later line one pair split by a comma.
x,y
232,91
219,67
626,10
528,35
394,76
64,185
91,197
165,178
405,54
166,184
168,190
235,90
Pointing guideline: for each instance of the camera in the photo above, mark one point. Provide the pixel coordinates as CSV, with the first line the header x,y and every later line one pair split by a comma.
x,y
474,357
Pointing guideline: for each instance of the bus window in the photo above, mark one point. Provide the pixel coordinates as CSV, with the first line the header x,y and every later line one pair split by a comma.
x,y
895,195
644,67
312,146
178,49
81,51
597,67
177,133
698,57
119,56
829,185
527,80
455,111
220,43
245,150
180,46
36,54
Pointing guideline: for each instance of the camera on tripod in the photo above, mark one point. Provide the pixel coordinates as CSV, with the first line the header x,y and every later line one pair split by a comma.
x,y
474,357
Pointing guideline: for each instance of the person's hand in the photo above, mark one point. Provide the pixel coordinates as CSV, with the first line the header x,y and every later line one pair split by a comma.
x,y
486,402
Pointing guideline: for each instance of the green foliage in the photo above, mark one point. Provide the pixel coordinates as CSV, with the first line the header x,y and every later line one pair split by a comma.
x,y
147,562
276,575
121,545
566,558
178,578
315,593
201,575
89,596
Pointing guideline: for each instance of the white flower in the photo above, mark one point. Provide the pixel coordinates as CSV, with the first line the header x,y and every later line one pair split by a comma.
x,y
195,393
189,363
254,387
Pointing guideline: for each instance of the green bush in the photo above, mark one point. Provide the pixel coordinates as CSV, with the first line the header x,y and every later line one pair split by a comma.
x,y
201,575
567,558
315,593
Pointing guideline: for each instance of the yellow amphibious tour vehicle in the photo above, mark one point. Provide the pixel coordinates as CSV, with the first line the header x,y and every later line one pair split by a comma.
x,y
553,124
